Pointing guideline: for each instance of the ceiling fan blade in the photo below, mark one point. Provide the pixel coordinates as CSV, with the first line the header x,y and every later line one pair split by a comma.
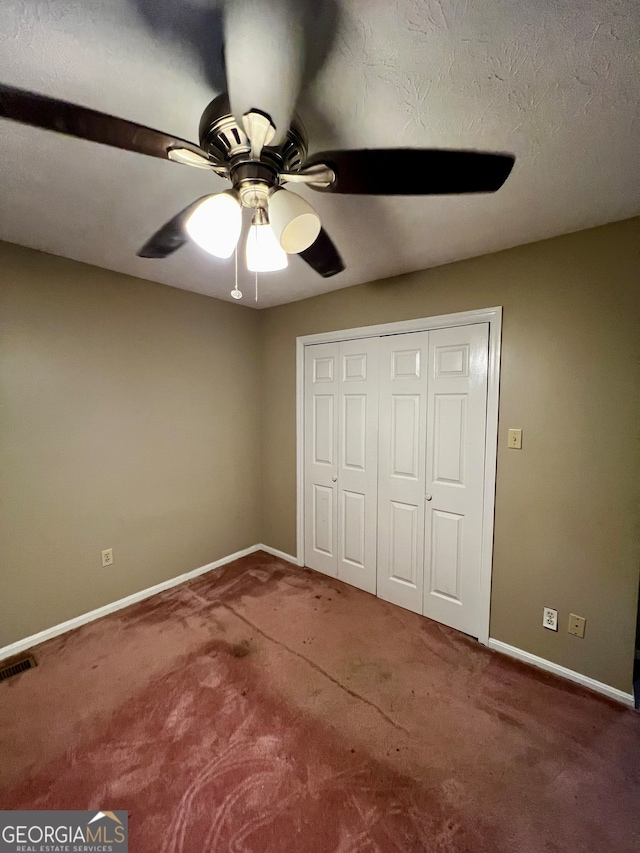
x,y
264,58
323,256
171,236
413,171
62,117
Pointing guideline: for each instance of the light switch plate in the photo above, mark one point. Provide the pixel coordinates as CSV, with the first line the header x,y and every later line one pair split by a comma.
x,y
514,440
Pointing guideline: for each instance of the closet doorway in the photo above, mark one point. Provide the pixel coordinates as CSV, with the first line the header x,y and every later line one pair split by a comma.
x,y
397,431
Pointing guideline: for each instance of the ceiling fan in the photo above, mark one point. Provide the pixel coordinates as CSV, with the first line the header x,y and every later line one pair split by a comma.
x,y
245,152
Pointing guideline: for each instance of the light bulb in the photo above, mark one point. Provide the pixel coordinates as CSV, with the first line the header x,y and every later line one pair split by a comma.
x,y
215,224
263,253
295,223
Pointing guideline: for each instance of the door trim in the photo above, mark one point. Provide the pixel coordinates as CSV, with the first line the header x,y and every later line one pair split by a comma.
x,y
492,316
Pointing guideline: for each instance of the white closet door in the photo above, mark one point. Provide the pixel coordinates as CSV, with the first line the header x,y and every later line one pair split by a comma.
x,y
358,462
401,474
321,365
456,422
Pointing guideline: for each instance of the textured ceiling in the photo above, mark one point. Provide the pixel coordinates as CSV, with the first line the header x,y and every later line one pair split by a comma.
x,y
553,81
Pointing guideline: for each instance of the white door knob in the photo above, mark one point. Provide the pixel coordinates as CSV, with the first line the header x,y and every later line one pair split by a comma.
x,y
428,497
334,479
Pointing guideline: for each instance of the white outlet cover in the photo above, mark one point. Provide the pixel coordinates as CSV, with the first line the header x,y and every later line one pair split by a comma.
x,y
550,618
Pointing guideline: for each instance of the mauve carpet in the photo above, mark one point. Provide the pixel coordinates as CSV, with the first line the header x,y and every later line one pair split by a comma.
x,y
267,709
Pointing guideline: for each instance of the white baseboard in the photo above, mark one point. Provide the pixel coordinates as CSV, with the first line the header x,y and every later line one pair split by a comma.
x,y
275,553
35,639
563,672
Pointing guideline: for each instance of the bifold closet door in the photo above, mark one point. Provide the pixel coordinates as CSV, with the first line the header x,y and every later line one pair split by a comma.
x,y
321,457
341,454
358,462
394,467
401,472
456,424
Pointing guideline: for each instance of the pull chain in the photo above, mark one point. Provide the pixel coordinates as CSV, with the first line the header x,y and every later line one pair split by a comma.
x,y
236,293
256,285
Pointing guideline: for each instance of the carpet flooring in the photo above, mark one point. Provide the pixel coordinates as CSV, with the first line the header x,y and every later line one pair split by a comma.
x,y
267,709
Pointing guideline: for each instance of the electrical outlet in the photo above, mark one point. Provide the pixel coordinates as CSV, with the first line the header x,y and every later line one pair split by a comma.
x,y
576,625
107,557
514,441
550,618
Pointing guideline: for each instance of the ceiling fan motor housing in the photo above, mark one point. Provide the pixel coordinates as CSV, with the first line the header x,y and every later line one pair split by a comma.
x,y
254,182
224,139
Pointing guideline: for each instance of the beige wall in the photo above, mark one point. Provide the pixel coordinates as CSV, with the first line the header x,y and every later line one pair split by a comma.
x,y
567,506
128,419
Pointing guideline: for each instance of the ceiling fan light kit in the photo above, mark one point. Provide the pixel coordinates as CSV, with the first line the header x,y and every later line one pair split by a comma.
x,y
216,223
294,222
263,251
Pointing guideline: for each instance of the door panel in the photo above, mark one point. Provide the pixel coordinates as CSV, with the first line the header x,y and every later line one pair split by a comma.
x,y
405,435
401,475
358,468
353,525
321,440
323,520
324,367
445,556
406,363
456,416
354,432
449,441
323,432
403,543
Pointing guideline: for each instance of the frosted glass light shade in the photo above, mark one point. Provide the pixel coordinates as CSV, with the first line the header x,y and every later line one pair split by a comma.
x,y
264,253
295,223
215,224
